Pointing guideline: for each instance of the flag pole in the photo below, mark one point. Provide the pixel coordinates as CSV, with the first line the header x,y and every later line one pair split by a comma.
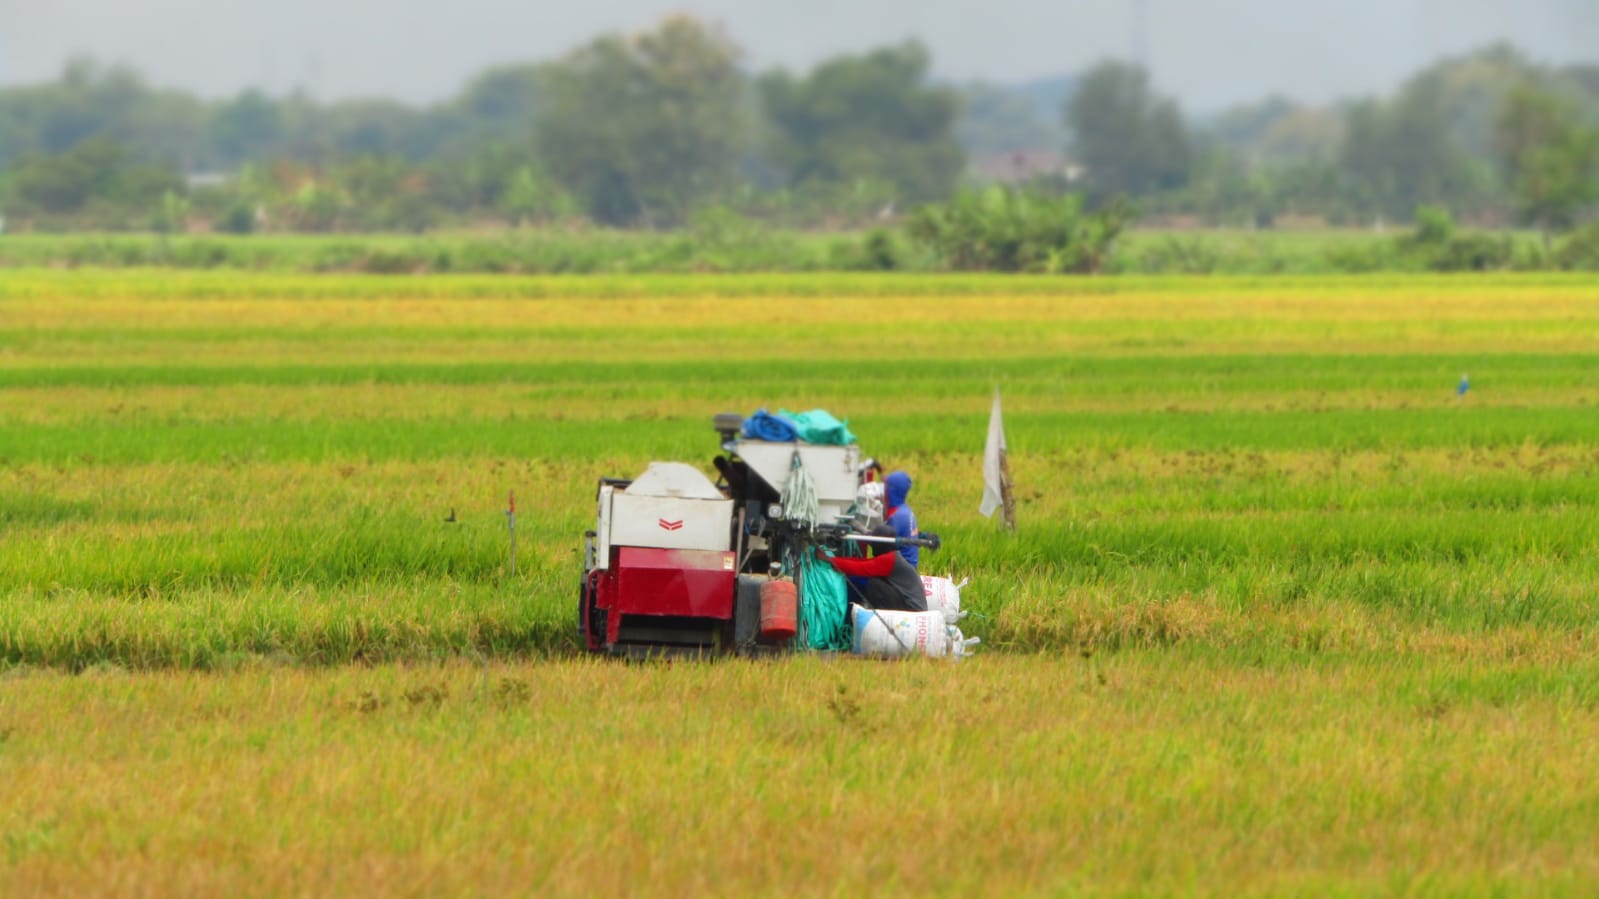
x,y
1007,499
510,519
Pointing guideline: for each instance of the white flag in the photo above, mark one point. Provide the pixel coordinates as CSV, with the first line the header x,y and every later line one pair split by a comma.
x,y
993,465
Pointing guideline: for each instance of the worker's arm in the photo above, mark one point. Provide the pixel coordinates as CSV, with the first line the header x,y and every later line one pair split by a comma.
x,y
877,566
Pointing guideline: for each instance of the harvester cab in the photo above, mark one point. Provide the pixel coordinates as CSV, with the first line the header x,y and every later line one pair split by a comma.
x,y
680,563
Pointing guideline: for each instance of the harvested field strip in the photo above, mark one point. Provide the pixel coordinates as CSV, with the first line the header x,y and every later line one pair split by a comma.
x,y
1136,773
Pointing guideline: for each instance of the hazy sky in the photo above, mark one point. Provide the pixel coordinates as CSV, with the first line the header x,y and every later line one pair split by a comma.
x,y
1208,52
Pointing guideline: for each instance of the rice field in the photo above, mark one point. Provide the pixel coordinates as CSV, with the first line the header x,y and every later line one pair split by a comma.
x,y
1286,612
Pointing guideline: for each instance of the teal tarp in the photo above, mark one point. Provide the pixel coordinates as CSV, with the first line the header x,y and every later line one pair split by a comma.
x,y
824,605
817,426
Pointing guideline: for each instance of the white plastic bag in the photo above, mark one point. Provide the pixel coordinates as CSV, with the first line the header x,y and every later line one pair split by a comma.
x,y
888,634
944,595
960,645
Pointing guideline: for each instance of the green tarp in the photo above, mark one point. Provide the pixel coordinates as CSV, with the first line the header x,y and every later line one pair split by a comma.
x,y
824,604
817,426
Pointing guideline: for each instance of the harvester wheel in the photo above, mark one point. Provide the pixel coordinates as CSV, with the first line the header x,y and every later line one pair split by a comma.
x,y
583,606
590,618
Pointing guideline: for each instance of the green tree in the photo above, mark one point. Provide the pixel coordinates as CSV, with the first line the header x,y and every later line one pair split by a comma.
x,y
1008,230
1128,140
478,180
1225,191
995,120
1433,142
645,127
249,127
530,196
1399,155
864,120
1550,157
1312,186
317,206
502,103
89,101
172,214
380,128
383,193
97,172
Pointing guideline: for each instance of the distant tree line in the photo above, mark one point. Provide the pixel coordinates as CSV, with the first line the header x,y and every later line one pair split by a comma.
x,y
655,128
1489,136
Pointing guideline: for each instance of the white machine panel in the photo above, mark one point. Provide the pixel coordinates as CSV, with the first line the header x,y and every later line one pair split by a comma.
x,y
602,530
669,522
832,468
674,479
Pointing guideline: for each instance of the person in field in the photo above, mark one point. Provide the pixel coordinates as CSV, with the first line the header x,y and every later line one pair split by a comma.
x,y
897,512
891,582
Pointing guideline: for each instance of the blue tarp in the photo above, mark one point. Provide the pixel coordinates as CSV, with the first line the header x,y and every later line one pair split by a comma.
x,y
763,425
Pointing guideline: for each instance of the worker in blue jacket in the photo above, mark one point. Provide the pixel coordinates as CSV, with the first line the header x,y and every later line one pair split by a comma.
x,y
897,512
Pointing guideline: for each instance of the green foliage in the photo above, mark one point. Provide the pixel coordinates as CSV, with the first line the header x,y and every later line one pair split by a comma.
x,y
478,181
1434,226
870,118
1551,157
172,215
1181,254
1399,157
92,101
374,194
1367,256
97,175
1470,90
1223,190
248,127
237,218
1431,144
881,250
1248,128
502,103
316,206
999,119
1006,230
1437,245
645,127
1580,251
533,198
1486,134
1128,140
749,245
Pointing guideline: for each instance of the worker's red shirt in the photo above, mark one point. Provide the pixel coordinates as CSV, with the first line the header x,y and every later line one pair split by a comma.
x,y
881,565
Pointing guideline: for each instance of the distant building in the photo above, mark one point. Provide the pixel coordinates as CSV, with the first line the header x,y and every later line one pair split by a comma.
x,y
202,180
1022,166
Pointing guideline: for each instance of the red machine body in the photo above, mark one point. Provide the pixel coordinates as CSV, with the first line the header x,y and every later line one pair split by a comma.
x,y
668,586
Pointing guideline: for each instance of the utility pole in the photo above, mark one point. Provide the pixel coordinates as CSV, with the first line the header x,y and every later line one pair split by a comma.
x,y
1140,34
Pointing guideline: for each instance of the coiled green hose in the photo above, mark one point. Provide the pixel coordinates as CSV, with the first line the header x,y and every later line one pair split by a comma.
x,y
824,604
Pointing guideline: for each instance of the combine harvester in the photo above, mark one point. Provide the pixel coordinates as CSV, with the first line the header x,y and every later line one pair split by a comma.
x,y
679,563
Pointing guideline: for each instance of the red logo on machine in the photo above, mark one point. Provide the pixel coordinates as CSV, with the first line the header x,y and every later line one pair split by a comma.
x,y
670,525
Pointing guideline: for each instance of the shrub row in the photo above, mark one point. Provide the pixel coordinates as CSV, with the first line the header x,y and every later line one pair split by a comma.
x,y
1026,240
